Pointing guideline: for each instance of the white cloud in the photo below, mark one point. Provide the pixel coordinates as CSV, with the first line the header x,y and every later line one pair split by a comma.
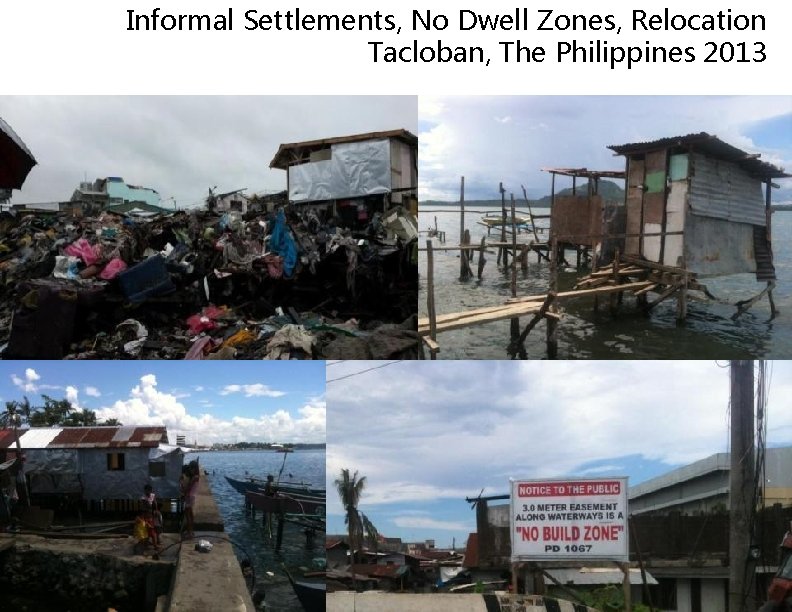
x,y
469,425
254,390
92,392
27,384
147,405
72,395
198,388
418,522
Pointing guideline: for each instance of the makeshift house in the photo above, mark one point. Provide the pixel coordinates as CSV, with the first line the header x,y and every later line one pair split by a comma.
x,y
697,203
353,176
586,220
233,201
97,463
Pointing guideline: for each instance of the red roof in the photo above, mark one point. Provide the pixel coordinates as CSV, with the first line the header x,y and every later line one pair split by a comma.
x,y
471,552
107,437
6,438
329,544
376,571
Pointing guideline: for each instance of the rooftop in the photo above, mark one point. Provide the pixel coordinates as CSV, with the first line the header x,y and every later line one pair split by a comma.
x,y
710,145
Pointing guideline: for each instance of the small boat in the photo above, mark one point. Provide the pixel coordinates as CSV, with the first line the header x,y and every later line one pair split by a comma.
x,y
496,219
311,594
257,484
282,503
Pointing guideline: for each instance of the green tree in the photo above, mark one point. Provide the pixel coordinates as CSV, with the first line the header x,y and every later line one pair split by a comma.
x,y
350,488
16,414
372,535
53,412
115,422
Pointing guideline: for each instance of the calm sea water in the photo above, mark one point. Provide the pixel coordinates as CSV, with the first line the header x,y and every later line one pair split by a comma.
x,y
254,540
708,333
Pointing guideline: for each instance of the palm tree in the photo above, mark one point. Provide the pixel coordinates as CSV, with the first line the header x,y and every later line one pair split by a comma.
x,y
372,535
350,490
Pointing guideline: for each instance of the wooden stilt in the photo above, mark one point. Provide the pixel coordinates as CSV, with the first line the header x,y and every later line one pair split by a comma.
x,y
464,262
430,299
481,259
552,323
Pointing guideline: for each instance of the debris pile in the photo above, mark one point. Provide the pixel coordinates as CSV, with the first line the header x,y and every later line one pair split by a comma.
x,y
282,283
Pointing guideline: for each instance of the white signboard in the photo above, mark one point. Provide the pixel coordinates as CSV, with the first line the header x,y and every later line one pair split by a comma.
x,y
569,519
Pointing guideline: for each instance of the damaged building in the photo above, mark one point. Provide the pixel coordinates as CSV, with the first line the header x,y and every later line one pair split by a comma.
x,y
328,273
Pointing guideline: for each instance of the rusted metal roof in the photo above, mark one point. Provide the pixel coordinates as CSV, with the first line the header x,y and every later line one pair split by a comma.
x,y
281,159
709,145
6,438
89,437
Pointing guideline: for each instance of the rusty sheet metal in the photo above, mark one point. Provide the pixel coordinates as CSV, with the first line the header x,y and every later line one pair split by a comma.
x,y
575,219
721,190
711,146
634,200
715,247
654,206
149,436
7,438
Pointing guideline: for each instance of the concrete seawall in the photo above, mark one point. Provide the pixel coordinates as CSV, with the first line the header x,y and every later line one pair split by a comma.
x,y
348,601
213,581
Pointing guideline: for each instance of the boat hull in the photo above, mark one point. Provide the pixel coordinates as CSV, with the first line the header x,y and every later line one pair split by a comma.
x,y
285,504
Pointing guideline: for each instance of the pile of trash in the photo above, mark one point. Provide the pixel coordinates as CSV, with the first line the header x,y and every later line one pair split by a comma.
x,y
199,284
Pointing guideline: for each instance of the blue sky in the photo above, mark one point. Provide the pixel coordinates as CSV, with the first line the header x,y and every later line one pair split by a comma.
x,y
208,401
428,435
489,139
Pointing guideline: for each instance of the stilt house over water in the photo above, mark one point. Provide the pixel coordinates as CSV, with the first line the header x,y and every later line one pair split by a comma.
x,y
697,203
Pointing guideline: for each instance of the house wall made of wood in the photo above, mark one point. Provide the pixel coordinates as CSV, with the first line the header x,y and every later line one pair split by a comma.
x,y
717,207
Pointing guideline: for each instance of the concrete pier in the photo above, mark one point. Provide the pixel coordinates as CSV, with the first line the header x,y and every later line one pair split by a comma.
x,y
376,601
207,582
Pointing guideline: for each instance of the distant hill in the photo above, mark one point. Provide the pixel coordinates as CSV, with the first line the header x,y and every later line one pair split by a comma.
x,y
607,189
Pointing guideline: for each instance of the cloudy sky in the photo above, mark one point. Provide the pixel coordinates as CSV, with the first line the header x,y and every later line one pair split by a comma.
x,y
219,401
182,145
428,435
508,139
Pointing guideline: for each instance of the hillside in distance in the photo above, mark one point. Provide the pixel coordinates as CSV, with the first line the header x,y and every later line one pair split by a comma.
x,y
608,189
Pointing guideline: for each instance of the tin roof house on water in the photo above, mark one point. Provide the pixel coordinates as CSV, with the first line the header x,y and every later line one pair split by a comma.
x,y
96,463
694,206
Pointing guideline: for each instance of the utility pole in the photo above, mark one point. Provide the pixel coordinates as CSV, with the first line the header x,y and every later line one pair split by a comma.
x,y
741,488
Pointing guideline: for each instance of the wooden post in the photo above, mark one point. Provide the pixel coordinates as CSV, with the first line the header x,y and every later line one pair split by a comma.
x,y
741,487
613,296
625,568
280,532
463,267
430,298
682,299
504,251
515,578
514,324
482,260
552,322
524,258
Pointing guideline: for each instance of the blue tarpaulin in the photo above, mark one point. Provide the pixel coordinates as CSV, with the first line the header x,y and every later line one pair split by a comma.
x,y
283,244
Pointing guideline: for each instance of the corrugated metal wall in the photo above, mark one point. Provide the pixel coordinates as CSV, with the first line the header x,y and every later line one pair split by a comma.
x,y
721,190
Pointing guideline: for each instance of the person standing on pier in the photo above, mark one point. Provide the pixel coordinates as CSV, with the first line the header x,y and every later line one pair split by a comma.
x,y
189,492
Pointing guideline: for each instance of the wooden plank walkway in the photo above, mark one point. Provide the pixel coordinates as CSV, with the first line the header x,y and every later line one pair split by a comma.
x,y
517,307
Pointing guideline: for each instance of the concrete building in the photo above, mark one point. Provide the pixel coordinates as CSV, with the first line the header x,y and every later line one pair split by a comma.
x,y
703,486
113,190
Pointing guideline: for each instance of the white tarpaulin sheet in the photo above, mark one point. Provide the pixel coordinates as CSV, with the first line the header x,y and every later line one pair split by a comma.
x,y
355,169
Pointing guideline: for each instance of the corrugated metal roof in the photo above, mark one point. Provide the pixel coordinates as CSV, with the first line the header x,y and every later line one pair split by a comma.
x,y
6,438
710,145
88,437
280,161
585,172
39,437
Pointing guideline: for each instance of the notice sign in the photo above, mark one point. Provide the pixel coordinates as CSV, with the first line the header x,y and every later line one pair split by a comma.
x,y
569,519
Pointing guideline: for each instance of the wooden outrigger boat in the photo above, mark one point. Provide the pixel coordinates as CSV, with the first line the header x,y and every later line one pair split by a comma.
x,y
311,594
257,485
282,503
497,219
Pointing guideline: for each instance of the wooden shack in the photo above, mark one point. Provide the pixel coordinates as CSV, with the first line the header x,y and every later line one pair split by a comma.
x,y
585,220
360,174
700,204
